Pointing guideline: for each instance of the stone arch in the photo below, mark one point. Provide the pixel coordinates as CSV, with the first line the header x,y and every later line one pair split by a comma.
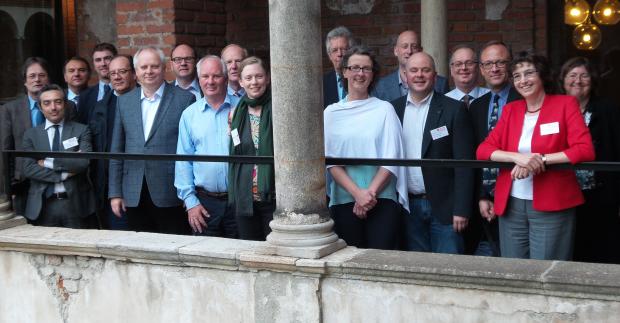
x,y
39,36
9,58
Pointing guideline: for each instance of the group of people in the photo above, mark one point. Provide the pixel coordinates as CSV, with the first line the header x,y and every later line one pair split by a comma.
x,y
527,211
221,105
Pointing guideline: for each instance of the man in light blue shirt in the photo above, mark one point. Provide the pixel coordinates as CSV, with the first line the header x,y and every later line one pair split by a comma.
x,y
203,130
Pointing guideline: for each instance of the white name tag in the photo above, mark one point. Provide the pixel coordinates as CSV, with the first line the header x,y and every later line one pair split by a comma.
x,y
549,128
70,143
439,132
235,137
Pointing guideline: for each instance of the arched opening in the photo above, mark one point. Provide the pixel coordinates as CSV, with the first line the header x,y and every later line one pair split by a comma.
x,y
9,60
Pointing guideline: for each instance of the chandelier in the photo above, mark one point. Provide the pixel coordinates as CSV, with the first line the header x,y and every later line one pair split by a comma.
x,y
587,35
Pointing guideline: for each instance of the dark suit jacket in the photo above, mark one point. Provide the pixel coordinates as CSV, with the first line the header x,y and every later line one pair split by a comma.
x,y
448,189
78,186
330,89
388,89
86,103
126,177
479,110
101,123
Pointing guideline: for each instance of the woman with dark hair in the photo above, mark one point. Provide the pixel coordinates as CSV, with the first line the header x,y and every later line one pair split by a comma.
x,y
251,189
537,206
365,201
598,223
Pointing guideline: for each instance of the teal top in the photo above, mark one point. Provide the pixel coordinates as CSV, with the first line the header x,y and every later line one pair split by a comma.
x,y
362,177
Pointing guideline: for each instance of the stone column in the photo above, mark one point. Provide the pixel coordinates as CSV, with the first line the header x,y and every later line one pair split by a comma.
x,y
301,226
435,33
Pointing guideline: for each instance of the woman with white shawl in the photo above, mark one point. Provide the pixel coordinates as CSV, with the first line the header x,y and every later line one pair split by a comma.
x,y
366,202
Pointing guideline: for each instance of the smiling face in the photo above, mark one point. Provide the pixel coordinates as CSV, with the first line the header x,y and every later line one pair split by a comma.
x,y
407,44
578,83
76,75
52,105
183,62
212,79
494,66
36,78
527,81
420,74
122,77
150,69
101,61
464,69
254,80
358,81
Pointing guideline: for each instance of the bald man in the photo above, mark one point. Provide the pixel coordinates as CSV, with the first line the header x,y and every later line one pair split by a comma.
x,y
394,85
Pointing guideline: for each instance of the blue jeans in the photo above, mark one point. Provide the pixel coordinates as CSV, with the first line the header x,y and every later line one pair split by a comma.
x,y
425,233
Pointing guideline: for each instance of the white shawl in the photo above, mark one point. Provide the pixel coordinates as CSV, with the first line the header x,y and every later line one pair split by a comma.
x,y
366,128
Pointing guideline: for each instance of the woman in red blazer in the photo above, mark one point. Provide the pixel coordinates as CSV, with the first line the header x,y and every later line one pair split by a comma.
x,y
537,207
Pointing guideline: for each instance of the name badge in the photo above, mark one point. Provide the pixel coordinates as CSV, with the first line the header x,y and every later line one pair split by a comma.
x,y
235,137
549,128
439,132
70,143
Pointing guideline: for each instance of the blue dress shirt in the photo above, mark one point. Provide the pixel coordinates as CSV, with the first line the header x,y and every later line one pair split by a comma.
x,y
203,131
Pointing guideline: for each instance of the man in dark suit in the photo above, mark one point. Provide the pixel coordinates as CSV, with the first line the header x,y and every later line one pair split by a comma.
x,y
102,55
19,115
337,42
123,80
147,122
394,85
482,238
59,192
435,127
183,65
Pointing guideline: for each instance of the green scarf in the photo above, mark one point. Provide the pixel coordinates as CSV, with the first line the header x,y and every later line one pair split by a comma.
x,y
240,175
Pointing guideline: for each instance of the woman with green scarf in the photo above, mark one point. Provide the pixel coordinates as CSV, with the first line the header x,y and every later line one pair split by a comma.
x,y
251,187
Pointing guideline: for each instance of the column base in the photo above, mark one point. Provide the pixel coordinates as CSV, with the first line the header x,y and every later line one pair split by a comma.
x,y
5,209
311,241
14,221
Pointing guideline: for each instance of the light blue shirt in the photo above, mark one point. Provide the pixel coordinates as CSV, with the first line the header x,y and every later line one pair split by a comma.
x,y
503,98
362,176
101,91
34,112
203,131
72,96
236,94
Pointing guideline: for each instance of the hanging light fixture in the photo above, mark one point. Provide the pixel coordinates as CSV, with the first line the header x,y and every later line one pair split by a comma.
x,y
587,36
606,12
576,12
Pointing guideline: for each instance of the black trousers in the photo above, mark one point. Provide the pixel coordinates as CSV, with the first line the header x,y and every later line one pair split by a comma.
x,y
256,227
147,217
380,230
597,237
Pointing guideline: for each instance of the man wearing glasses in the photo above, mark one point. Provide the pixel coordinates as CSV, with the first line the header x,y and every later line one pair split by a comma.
x,y
102,55
183,64
464,72
485,112
337,42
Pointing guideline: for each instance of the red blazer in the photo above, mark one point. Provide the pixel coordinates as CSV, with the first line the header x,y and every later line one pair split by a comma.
x,y
555,189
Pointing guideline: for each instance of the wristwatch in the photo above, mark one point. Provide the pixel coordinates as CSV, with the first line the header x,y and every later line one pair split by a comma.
x,y
544,159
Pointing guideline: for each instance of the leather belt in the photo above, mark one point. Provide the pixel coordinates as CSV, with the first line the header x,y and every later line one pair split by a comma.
x,y
59,196
418,196
217,195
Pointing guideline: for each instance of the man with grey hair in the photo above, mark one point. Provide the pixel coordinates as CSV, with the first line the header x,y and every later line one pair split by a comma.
x,y
464,72
337,42
147,122
203,130
232,55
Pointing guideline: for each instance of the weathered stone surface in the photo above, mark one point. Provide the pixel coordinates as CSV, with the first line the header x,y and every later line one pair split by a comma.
x,y
146,247
434,28
574,277
282,297
10,221
218,251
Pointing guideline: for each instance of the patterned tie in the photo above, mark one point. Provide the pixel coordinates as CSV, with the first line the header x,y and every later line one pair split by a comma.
x,y
465,99
489,175
37,115
341,91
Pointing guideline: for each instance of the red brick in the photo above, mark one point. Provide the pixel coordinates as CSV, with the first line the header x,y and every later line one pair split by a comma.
x,y
458,27
191,4
130,6
146,41
160,4
165,28
130,30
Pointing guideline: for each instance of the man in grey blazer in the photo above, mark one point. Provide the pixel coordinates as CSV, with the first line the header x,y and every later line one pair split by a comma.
x,y
60,193
394,85
147,122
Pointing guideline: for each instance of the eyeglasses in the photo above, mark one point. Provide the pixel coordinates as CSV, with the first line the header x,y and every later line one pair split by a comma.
x,y
526,75
575,76
122,72
179,60
335,50
357,69
489,64
33,76
459,64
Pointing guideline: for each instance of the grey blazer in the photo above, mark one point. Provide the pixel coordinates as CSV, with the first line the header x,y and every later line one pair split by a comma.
x,y
387,88
79,189
126,176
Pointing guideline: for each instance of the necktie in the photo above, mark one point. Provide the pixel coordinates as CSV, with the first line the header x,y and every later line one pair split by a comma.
x,y
49,191
75,99
489,175
341,91
465,99
37,115
106,89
